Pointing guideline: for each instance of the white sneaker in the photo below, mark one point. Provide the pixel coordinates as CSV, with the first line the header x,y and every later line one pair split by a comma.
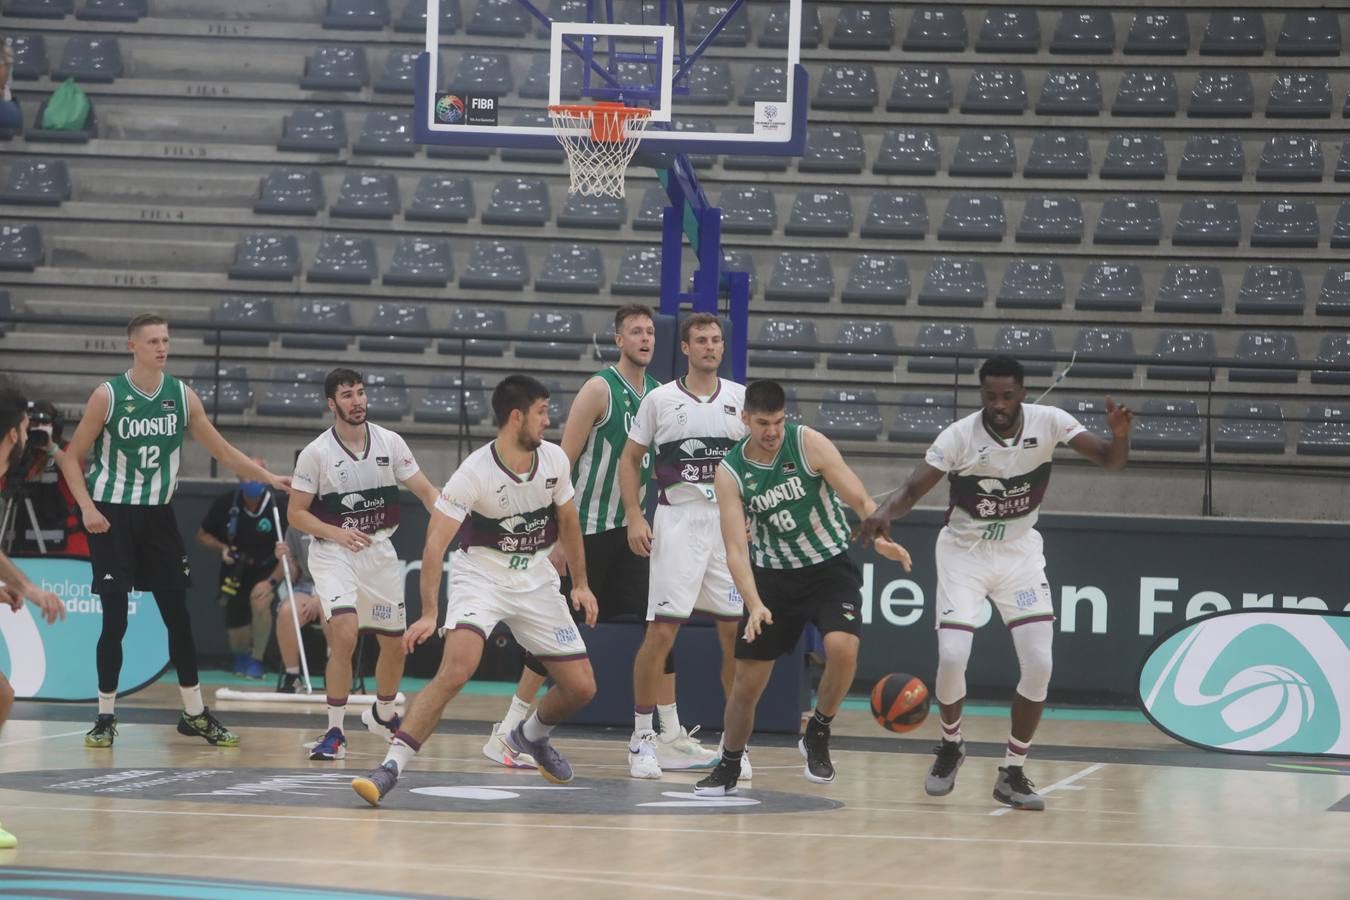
x,y
683,751
642,758
380,729
501,753
746,773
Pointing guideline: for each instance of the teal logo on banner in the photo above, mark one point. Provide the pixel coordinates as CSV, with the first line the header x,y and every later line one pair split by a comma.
x,y
56,662
1253,682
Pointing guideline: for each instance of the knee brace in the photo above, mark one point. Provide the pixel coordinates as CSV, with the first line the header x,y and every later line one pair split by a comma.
x,y
953,654
1032,642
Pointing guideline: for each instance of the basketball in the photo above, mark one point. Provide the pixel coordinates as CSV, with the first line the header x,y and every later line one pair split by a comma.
x,y
900,702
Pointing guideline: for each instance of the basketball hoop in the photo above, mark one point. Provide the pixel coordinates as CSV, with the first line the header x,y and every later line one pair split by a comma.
x,y
600,140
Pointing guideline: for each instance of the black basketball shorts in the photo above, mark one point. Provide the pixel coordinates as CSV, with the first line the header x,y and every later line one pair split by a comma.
x,y
826,595
618,577
141,550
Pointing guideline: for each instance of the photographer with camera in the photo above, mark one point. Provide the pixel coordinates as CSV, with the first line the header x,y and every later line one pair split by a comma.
x,y
240,527
40,513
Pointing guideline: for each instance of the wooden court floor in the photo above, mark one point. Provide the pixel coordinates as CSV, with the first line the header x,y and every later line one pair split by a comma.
x,y
1130,814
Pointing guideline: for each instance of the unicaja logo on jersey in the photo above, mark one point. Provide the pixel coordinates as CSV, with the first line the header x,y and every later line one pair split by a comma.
x,y
522,525
357,503
158,427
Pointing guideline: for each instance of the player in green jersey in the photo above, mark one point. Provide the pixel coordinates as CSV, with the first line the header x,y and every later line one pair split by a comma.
x,y
136,424
787,481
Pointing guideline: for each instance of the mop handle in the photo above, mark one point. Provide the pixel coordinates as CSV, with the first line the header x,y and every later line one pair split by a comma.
x,y
295,613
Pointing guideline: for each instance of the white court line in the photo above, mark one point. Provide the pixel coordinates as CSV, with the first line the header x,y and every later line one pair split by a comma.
x,y
376,818
47,737
1062,783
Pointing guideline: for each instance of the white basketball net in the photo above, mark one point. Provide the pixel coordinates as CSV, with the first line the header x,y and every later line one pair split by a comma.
x,y
599,141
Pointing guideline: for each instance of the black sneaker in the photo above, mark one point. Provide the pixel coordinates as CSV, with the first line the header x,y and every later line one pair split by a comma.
x,y
290,683
942,777
815,748
208,727
721,781
103,733
1014,788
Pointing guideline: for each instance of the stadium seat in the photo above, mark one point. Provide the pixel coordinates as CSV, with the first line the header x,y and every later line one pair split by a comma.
x,y
483,73
459,151
1168,425
413,17
863,28
344,259
872,347
247,310
1098,341
398,75
849,414
1224,93
1216,157
846,87
1325,431
1051,220
6,308
420,262
820,213
1234,34
1343,163
754,162
1084,31
709,82
920,89
571,269
1208,222
936,29
953,281
639,272
442,198
1159,33
774,32
1308,33
367,195
559,400
973,217
295,394
497,265
224,391
1340,229
948,339
1058,154
921,417
520,202
499,19
533,118
555,324
336,69
995,91
396,328
1334,350
1190,288
1291,157
1009,30
835,149
1334,297
790,332
1174,348
90,60
1265,347
1129,220
735,261
387,394
290,192
1020,341
1031,284
37,182
536,85
735,33
266,255
801,276
877,278
319,315
896,214
1286,222
1111,285
745,210
1135,156
1091,414
315,130
1251,426
766,82
386,133
1070,92
1269,290
908,152
40,9
470,320
451,401
1146,92
1299,95
984,155
580,211
30,57
356,15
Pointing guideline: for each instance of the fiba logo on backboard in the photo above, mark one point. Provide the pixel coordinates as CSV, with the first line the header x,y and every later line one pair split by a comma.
x,y
449,109
465,109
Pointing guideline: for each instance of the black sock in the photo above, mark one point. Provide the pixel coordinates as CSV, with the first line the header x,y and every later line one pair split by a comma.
x,y
732,755
821,720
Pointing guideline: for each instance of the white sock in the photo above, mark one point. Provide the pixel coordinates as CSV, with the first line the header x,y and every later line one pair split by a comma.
x,y
951,732
516,714
335,714
292,670
106,703
1017,752
192,700
384,709
669,720
400,754
642,722
534,729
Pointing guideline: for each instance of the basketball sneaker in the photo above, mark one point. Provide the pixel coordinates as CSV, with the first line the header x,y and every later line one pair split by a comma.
x,y
550,763
684,751
942,777
721,781
642,759
253,668
497,750
1015,789
373,787
746,772
815,749
103,733
7,840
290,683
379,727
206,726
333,745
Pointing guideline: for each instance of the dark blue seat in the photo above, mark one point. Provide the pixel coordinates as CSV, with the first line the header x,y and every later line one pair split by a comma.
x,y
995,91
947,339
1251,426
872,346
1146,92
1222,94
639,272
1098,341
820,213
1129,220
1111,285
1135,156
92,60
1009,30
225,390
295,394
397,328
753,162
985,155
1213,157
766,82
1159,33
1031,284
532,118
922,417
112,10
954,281
896,214
1334,350
1266,347
245,310
1169,425
846,87
1070,92
709,82
474,320
580,211
37,182
908,152
1340,229
387,394
536,84
1051,220
314,130
421,262
1208,222
519,201
345,259
849,414
1334,297
1299,95
572,269
1190,288
1091,414
30,57
789,332
877,278
747,210
367,195
336,69
774,33
398,75
735,31
500,19
801,276
1269,290
1286,222
483,73
290,192
1343,163
356,15
1022,341
319,315
442,198
265,255
862,28
450,400
1084,31
1058,154
565,325
973,217
1234,34
920,89
1174,349
40,9
413,17
940,29
1325,431
836,149
497,265
1307,33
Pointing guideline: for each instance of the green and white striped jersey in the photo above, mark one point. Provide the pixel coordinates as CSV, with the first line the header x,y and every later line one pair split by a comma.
x,y
796,519
137,453
596,474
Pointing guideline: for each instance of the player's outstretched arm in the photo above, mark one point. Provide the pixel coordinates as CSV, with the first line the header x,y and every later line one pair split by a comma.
x,y
588,407
731,517
1113,454
18,584
630,479
81,442
423,489
898,504
569,536
440,532
228,455
824,457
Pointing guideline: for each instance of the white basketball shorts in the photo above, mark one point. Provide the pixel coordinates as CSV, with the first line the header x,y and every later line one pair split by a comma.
x,y
366,582
689,566
536,613
1010,573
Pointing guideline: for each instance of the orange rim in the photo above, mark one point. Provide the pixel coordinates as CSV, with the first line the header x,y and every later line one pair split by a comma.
x,y
608,120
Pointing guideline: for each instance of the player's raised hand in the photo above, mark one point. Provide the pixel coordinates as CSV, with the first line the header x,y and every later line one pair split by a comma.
x,y
50,604
640,537
417,634
95,522
584,600
759,617
1119,418
891,550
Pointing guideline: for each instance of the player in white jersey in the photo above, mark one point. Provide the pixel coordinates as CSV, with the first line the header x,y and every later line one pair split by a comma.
x,y
997,462
354,470
509,502
689,425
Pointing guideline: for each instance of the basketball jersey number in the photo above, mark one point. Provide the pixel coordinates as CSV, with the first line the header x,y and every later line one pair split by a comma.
x,y
519,562
783,521
149,457
994,531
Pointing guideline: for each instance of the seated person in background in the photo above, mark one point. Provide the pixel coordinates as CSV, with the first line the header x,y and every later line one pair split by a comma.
x,y
306,607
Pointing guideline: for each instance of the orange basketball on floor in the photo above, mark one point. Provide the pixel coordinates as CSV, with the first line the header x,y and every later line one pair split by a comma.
x,y
900,702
